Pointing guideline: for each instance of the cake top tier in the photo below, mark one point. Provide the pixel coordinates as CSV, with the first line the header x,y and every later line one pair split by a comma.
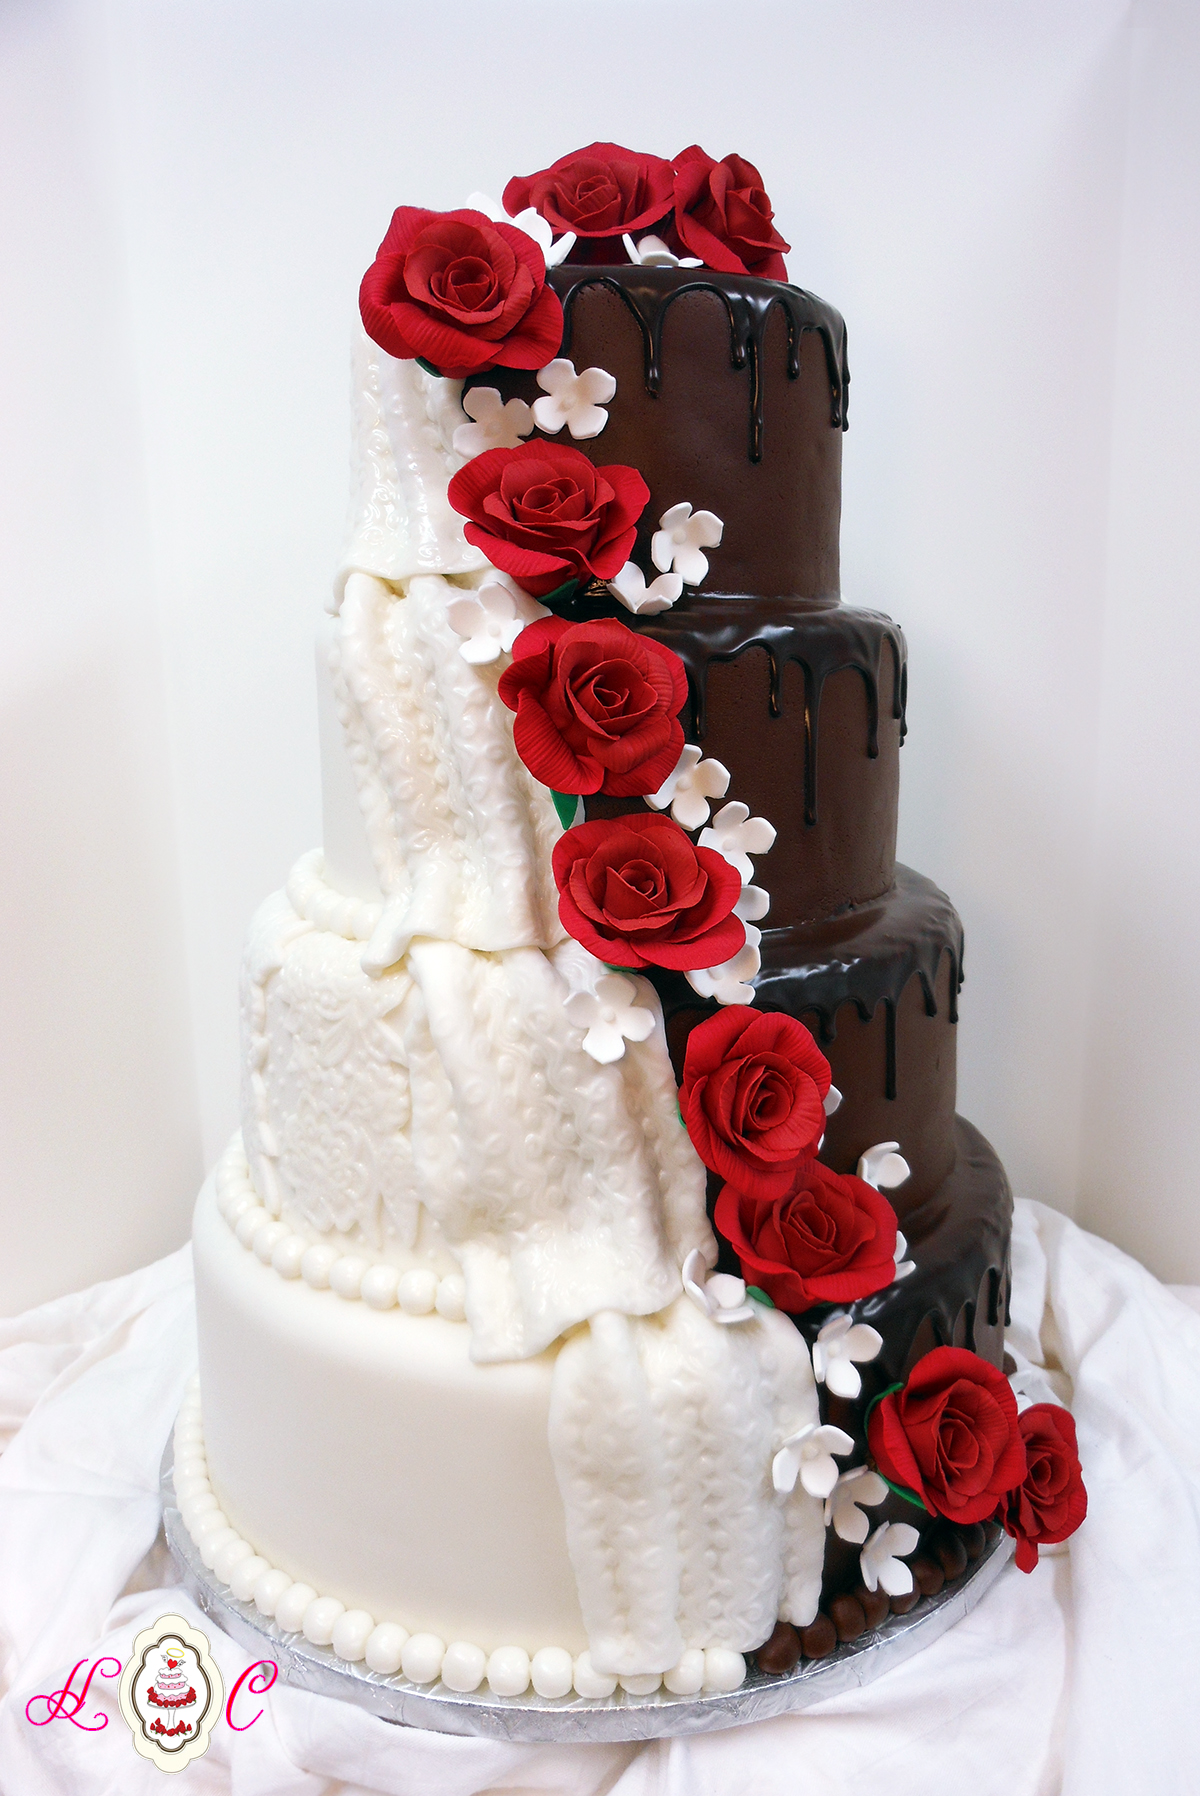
x,y
637,310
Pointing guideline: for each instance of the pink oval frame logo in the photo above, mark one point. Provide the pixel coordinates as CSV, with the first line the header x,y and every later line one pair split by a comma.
x,y
171,1693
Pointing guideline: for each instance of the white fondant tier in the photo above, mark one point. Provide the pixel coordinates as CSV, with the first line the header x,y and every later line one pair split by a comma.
x,y
363,1453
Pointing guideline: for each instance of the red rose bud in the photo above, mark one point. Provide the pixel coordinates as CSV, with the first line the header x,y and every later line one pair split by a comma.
x,y
831,1238
754,1085
597,706
600,191
461,292
637,892
544,514
951,1435
723,216
1049,1504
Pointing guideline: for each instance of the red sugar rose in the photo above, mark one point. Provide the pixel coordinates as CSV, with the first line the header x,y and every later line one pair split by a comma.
x,y
723,216
597,706
754,1084
601,191
544,514
638,892
462,292
951,1435
830,1238
1051,1501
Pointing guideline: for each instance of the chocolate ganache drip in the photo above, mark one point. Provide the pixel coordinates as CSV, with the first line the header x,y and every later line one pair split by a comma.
x,y
650,292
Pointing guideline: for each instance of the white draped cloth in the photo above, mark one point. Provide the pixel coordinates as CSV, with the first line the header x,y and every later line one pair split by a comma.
x,y
1080,1678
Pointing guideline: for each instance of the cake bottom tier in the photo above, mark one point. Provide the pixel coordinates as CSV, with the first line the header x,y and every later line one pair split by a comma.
x,y
362,1453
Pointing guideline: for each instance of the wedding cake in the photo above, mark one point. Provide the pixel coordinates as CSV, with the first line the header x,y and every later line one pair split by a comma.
x,y
602,1290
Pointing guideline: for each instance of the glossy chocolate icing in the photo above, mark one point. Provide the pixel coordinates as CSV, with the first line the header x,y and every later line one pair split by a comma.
x,y
878,986
806,710
731,394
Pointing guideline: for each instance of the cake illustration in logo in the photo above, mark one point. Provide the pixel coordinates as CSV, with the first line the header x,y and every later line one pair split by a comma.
x,y
171,1693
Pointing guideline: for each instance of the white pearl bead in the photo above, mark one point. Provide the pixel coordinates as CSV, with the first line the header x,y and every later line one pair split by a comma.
x,y
351,1631
320,1619
187,1489
267,1238
199,1503
215,1522
641,1683
385,1648
723,1669
268,1590
289,1610
287,1255
463,1666
379,1287
346,1275
246,1576
551,1671
417,1291
451,1297
316,1263
421,1658
231,1554
249,1223
213,1541
508,1671
191,1465
686,1678
590,1682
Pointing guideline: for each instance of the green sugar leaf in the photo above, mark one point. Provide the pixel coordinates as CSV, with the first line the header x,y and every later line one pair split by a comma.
x,y
428,366
568,805
760,1296
561,594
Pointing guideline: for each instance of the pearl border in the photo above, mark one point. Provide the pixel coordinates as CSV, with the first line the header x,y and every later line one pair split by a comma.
x,y
386,1647
322,1265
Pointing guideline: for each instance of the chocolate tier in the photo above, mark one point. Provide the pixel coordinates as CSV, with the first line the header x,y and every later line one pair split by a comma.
x,y
731,394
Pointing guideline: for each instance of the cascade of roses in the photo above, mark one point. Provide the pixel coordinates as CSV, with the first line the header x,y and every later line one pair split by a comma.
x,y
952,1437
464,292
753,1099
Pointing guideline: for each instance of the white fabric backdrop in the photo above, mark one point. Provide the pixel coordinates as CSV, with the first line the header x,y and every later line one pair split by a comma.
x,y
1079,1678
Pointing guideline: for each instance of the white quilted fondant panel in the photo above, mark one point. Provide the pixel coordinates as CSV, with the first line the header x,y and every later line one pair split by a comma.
x,y
662,1431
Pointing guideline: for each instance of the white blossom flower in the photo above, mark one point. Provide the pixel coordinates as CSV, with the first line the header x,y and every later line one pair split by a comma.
x,y
531,222
903,1266
611,1015
680,538
491,618
880,1559
576,400
883,1166
737,835
840,1343
729,983
833,1098
652,252
497,424
645,601
808,1455
719,1295
688,789
859,1485
752,907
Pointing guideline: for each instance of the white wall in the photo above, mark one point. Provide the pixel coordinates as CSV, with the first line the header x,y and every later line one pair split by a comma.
x,y
962,179
99,1136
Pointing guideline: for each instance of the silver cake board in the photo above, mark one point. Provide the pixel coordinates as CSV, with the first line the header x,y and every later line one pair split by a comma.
x,y
574,1719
